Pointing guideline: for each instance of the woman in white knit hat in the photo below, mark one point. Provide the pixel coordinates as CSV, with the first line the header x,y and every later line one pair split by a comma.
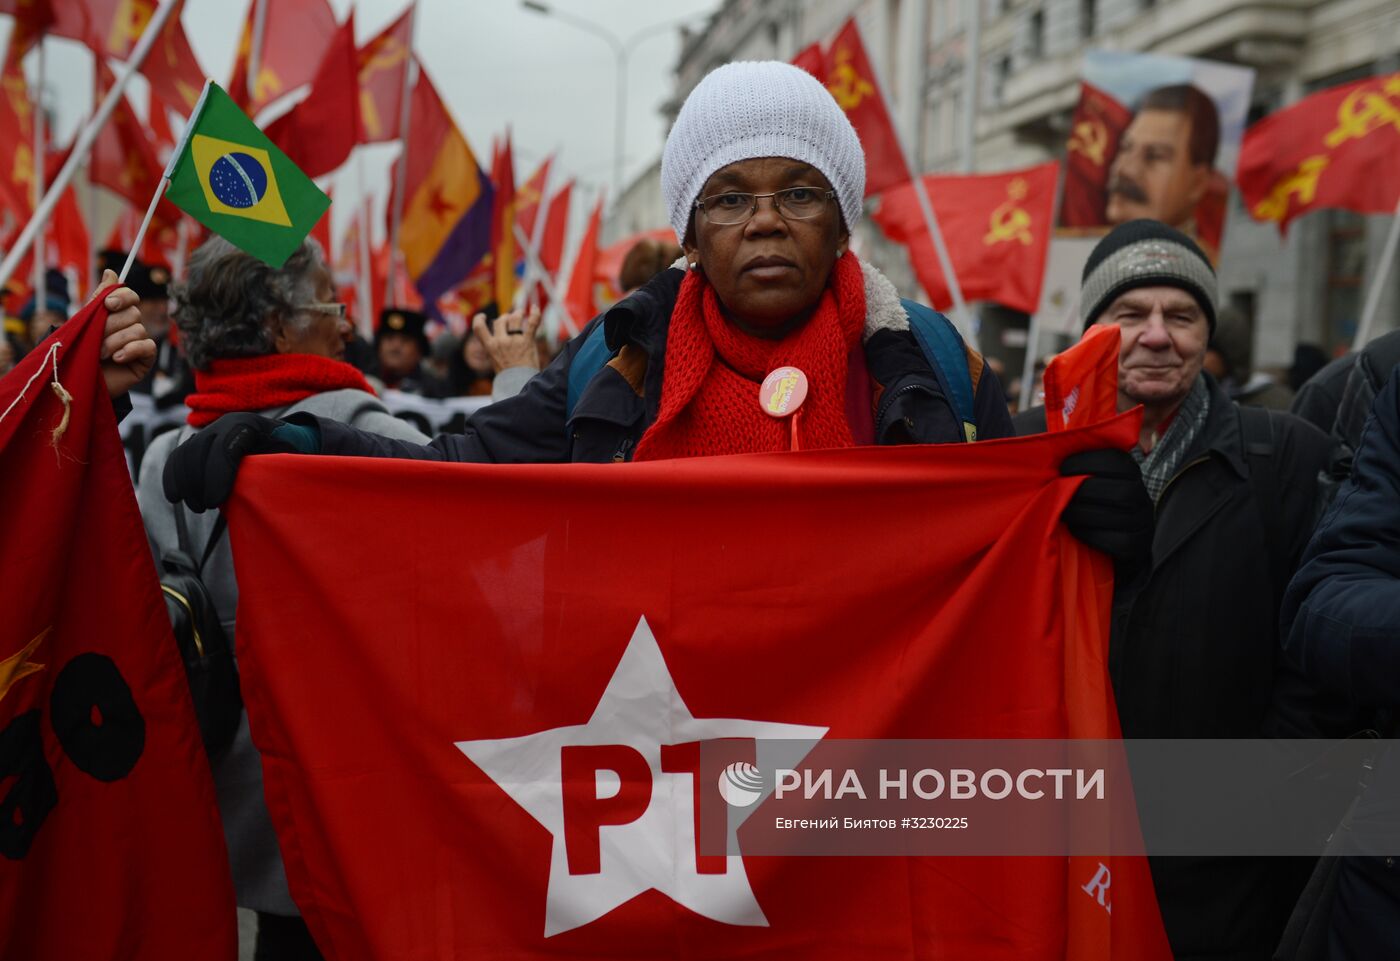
x,y
770,335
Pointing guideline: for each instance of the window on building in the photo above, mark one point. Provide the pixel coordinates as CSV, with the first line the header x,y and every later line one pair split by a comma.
x,y
1088,18
1035,44
1001,73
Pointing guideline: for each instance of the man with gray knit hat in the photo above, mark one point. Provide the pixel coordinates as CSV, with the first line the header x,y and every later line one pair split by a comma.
x,y
1195,651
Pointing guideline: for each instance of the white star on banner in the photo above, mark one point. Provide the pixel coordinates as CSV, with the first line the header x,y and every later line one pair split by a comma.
x,y
641,709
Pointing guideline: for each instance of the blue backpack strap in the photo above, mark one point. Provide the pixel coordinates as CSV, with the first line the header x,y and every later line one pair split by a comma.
x,y
590,359
943,348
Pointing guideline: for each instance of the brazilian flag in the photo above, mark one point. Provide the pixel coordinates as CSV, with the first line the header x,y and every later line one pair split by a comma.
x,y
226,174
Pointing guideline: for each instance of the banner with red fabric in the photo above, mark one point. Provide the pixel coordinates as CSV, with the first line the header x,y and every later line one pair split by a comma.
x,y
997,228
383,72
319,133
415,738
109,834
1094,131
1336,148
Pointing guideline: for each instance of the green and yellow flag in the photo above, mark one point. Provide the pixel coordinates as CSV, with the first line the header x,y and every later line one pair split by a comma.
x,y
226,174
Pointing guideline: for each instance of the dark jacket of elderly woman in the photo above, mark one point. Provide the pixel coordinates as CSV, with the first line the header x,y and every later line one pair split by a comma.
x,y
270,341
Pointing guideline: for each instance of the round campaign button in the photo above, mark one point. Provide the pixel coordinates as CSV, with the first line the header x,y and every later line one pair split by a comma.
x,y
783,391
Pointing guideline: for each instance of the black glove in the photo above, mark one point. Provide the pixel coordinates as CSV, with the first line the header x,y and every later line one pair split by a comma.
x,y
1111,511
201,471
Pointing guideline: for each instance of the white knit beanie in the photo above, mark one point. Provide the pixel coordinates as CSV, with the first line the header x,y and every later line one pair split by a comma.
x,y
759,109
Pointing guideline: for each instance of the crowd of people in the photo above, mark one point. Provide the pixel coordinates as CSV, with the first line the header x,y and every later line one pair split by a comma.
x,y
1235,614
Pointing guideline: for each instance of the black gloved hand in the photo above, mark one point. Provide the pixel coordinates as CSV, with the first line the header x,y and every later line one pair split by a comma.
x,y
1111,511
201,471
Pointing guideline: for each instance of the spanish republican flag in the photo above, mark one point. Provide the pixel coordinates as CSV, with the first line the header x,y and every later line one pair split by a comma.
x,y
997,227
447,213
437,752
1335,149
110,841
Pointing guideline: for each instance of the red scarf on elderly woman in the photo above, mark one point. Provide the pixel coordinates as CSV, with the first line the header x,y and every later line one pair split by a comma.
x,y
270,380
713,372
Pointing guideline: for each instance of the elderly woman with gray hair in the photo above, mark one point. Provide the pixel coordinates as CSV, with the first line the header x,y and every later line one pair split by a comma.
x,y
272,341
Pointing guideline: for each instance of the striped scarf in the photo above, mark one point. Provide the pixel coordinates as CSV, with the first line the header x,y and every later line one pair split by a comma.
x,y
1160,466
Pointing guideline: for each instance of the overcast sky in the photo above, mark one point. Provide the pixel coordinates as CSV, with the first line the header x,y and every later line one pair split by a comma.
x,y
493,61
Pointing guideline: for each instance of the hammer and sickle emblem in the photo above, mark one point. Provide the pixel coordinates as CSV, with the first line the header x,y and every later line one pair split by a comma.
x,y
847,86
1366,111
1302,182
1090,138
129,23
23,172
1009,224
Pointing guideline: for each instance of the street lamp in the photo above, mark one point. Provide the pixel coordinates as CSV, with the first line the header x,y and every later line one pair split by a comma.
x,y
621,49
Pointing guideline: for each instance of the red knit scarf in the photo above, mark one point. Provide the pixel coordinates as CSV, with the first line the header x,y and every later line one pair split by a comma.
x,y
709,397
272,380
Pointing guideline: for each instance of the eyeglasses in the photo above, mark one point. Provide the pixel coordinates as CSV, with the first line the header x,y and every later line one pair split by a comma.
x,y
794,203
337,309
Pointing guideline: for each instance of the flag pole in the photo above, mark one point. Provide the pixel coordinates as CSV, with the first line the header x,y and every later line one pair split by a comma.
x,y
1373,295
145,223
548,285
410,79
1033,328
84,141
940,247
255,50
40,159
531,245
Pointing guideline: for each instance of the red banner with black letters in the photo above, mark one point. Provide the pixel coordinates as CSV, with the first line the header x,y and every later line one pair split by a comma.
x,y
110,844
487,751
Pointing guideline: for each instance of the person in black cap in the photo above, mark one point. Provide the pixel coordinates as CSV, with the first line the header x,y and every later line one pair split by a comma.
x,y
1195,650
401,341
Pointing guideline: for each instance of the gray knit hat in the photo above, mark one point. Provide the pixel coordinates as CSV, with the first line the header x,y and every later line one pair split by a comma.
x,y
1146,253
759,109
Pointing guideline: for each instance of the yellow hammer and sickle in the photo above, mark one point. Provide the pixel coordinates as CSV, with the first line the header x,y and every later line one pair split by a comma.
x,y
128,25
1009,223
1090,138
1363,112
18,96
268,85
24,166
1302,182
383,56
847,85
369,114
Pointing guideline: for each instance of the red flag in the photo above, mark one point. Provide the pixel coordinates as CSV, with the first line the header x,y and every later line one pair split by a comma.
x,y
1081,384
174,73
123,159
319,133
1336,148
555,226
296,36
111,836
16,143
1095,129
426,782
382,66
159,120
580,301
503,227
321,233
811,59
997,229
851,81
69,243
528,200
32,18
